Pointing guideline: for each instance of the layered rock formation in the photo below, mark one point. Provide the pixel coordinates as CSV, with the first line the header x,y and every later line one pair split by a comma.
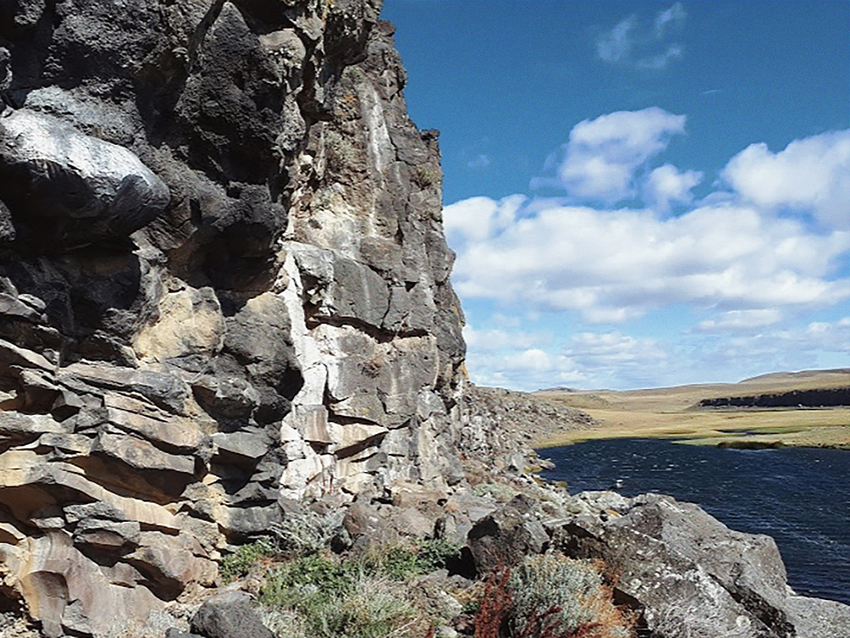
x,y
819,398
223,283
224,289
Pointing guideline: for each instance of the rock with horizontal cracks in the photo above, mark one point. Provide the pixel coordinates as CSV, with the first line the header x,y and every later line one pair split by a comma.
x,y
223,280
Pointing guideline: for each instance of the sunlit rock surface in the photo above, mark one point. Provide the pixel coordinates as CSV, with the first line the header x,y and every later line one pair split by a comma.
x,y
223,281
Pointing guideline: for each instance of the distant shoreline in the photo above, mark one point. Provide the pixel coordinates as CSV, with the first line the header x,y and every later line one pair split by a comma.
x,y
728,415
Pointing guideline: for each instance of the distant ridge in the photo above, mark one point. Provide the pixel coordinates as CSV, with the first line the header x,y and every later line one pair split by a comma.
x,y
796,375
783,378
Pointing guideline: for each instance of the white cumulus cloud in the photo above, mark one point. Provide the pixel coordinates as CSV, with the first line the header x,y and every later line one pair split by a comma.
x,y
666,185
809,174
615,265
740,274
477,218
603,155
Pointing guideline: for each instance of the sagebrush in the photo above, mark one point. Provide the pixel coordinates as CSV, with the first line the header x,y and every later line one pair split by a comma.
x,y
551,596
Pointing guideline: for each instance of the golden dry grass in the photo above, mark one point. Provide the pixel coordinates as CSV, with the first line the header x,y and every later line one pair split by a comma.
x,y
670,413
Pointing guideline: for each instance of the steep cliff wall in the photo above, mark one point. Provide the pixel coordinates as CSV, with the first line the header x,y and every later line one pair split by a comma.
x,y
223,283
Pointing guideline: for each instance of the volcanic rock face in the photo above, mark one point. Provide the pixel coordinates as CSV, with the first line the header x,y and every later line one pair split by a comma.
x,y
223,280
689,574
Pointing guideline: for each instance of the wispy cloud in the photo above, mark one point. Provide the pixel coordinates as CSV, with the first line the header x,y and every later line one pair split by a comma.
x,y
616,44
500,339
613,351
479,161
660,61
740,321
643,43
669,19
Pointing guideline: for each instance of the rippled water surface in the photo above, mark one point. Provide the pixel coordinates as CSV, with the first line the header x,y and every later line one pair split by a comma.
x,y
799,496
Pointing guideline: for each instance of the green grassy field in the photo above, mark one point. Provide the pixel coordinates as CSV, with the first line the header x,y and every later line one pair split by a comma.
x,y
671,413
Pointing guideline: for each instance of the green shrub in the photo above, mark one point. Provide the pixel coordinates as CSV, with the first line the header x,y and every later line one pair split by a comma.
x,y
240,562
319,596
552,595
404,562
316,597
376,607
311,576
437,553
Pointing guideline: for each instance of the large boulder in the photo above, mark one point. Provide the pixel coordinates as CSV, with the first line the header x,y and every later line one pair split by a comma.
x,y
227,616
691,575
70,189
505,537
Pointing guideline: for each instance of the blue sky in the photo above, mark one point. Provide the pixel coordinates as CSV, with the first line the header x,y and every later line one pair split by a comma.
x,y
640,193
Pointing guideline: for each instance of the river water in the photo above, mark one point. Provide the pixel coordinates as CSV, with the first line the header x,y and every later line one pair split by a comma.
x,y
800,496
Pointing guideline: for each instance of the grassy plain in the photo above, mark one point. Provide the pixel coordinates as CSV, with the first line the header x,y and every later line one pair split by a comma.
x,y
672,413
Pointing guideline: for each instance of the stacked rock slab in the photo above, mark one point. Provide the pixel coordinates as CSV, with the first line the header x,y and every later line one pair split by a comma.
x,y
223,283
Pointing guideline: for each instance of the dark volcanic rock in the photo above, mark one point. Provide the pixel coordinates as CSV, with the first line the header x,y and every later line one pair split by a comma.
x,y
819,398
223,281
505,537
227,616
69,189
691,575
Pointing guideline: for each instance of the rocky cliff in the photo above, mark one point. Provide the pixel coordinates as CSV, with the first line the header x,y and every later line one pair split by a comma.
x,y
224,295
223,284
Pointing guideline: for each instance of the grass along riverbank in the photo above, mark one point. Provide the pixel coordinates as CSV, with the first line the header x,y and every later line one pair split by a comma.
x,y
671,413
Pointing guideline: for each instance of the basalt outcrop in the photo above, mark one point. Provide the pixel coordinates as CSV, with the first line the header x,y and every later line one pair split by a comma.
x,y
224,294
817,398
682,570
223,285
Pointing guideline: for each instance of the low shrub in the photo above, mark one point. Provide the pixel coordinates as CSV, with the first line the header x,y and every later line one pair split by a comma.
x,y
437,553
403,562
311,576
305,533
550,596
317,597
242,561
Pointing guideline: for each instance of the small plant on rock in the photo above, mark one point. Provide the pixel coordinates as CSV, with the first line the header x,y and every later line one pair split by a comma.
x,y
550,596
246,557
